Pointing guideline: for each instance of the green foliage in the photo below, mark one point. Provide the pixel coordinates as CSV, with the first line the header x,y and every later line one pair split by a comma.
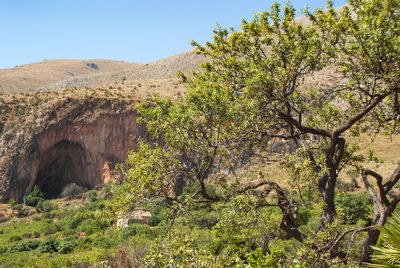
x,y
49,228
176,251
67,245
92,195
258,88
355,206
33,198
14,238
49,244
12,202
89,226
45,206
103,242
24,246
153,220
72,190
387,253
128,232
19,210
137,229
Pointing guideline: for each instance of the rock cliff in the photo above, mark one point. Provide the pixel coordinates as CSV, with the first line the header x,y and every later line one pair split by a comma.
x,y
64,140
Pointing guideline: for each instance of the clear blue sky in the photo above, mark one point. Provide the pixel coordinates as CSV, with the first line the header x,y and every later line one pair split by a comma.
x,y
129,30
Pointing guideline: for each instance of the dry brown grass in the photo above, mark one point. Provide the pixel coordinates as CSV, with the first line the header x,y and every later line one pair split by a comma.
x,y
386,149
60,74
31,76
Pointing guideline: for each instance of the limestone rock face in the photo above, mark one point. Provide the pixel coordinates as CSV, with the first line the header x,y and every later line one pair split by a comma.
x,y
67,151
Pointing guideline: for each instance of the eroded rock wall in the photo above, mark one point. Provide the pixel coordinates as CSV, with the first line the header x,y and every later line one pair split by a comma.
x,y
71,151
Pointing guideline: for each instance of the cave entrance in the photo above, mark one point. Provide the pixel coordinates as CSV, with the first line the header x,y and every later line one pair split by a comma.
x,y
62,164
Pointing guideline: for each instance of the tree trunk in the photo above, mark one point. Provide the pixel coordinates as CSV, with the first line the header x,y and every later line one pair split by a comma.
x,y
327,189
371,240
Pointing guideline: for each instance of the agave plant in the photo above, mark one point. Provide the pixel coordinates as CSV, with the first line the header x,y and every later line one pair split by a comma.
x,y
387,254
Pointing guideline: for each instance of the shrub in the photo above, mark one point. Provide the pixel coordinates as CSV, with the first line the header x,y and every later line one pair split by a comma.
x,y
68,232
49,229
34,197
72,190
85,243
153,220
25,246
108,191
14,238
92,195
47,206
89,226
12,202
128,232
137,229
3,249
95,205
27,235
16,206
67,245
355,207
102,242
49,244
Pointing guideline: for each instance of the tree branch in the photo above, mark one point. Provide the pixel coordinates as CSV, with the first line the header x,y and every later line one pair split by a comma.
x,y
304,129
349,123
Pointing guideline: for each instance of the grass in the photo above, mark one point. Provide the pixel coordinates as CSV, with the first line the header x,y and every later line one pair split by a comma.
x,y
86,248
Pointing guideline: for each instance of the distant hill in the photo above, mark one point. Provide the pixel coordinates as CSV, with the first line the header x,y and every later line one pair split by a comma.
x,y
59,74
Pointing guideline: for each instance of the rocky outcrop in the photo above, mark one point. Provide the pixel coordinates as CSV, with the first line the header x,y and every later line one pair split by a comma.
x,y
68,149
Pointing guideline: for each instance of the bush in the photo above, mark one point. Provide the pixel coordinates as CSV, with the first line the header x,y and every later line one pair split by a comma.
x,y
89,226
16,206
3,249
14,238
34,197
92,195
128,232
27,235
49,229
153,220
25,246
12,202
137,229
45,206
49,244
355,207
102,242
67,245
72,190
19,210
85,243
95,205
68,232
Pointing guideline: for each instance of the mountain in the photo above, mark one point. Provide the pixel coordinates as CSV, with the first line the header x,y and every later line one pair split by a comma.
x,y
59,74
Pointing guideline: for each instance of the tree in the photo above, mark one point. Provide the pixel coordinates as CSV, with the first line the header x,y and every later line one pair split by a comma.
x,y
257,88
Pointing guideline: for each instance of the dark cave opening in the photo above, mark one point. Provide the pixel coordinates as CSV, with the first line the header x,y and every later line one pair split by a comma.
x,y
62,164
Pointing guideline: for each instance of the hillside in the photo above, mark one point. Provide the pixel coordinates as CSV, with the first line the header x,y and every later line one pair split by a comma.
x,y
59,74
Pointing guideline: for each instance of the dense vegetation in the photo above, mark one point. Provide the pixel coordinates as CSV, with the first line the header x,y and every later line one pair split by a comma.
x,y
209,178
257,91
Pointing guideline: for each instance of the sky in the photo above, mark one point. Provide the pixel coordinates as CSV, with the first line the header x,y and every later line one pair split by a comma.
x,y
128,30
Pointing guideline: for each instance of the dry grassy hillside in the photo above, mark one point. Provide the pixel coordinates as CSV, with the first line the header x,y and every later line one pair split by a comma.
x,y
31,76
59,74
